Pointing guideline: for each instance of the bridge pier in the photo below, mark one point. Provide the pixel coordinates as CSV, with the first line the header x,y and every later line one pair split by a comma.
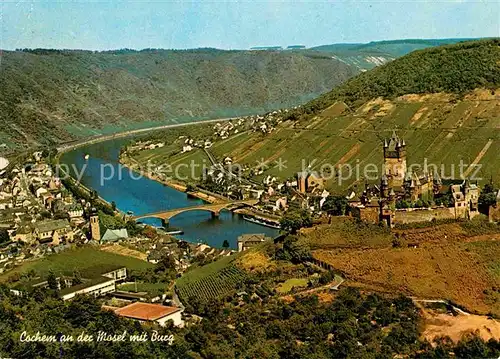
x,y
164,223
215,214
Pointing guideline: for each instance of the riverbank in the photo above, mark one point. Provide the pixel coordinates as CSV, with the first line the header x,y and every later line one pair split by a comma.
x,y
64,147
132,164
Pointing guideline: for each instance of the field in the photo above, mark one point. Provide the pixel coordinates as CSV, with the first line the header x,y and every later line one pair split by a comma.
x,y
347,232
210,281
87,260
457,261
442,130
124,251
440,325
290,284
464,272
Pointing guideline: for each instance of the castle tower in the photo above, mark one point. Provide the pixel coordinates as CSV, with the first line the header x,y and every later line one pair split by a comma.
x,y
395,160
95,229
384,186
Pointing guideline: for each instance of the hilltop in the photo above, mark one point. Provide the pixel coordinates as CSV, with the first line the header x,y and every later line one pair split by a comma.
x,y
453,68
394,48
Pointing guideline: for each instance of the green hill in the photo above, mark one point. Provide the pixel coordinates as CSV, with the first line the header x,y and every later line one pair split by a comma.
x,y
55,95
452,68
394,48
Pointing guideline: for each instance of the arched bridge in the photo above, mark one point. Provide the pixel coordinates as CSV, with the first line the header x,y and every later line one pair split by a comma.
x,y
215,208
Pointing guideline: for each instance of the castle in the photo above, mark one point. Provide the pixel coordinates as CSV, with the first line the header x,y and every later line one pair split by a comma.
x,y
400,184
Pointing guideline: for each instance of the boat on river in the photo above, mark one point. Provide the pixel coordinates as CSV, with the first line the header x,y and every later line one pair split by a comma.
x,y
262,222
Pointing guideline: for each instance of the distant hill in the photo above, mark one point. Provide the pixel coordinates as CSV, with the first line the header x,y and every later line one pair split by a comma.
x,y
393,48
453,68
367,56
49,96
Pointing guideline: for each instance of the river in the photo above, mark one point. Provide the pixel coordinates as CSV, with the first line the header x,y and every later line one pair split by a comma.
x,y
141,195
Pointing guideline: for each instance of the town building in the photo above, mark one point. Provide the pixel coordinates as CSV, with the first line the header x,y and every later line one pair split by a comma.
x,y
465,199
247,241
95,281
113,235
53,231
148,312
96,287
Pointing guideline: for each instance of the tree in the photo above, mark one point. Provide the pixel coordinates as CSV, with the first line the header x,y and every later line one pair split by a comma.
x,y
166,263
77,277
225,244
113,205
293,220
336,205
52,281
190,187
402,204
294,250
488,197
4,235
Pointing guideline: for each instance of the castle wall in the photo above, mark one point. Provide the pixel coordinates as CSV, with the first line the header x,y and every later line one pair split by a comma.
x,y
369,214
423,215
494,213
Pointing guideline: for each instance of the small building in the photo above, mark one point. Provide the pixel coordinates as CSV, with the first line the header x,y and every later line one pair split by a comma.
x,y
247,241
23,233
148,312
113,235
75,212
465,199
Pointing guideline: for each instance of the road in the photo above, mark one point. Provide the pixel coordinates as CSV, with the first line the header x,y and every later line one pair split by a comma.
x,y
458,310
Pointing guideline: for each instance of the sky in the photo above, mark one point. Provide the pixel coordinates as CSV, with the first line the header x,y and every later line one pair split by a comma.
x,y
112,24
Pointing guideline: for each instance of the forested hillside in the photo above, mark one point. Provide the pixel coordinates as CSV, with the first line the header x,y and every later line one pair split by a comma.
x,y
52,95
394,48
453,68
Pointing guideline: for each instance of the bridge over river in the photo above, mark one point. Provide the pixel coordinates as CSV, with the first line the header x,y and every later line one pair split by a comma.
x,y
214,208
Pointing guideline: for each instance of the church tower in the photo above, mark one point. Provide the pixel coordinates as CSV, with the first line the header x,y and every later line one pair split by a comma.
x,y
95,229
395,160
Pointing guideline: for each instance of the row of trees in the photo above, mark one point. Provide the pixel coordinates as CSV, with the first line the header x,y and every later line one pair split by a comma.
x,y
354,325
